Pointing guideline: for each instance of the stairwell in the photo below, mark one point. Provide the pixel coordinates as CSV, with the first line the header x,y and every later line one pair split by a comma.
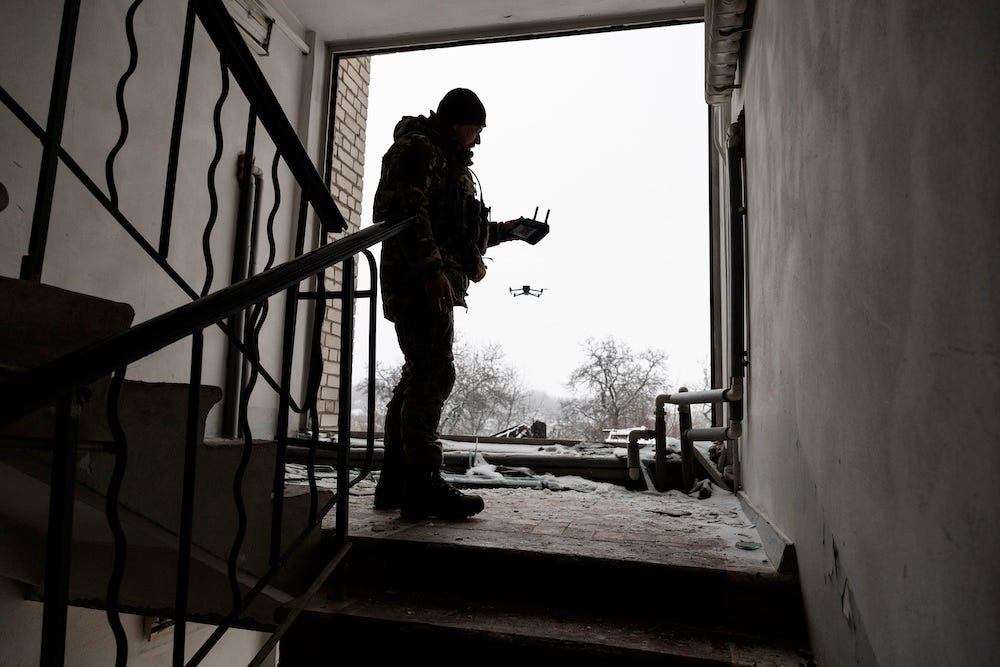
x,y
539,576
43,322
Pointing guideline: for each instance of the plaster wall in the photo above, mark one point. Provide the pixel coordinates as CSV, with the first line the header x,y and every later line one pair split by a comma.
x,y
873,251
87,250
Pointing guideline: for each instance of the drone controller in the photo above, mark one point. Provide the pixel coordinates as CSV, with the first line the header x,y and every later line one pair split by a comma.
x,y
531,231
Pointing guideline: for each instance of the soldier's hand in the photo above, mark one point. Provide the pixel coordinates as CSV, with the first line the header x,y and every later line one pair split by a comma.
x,y
505,228
440,295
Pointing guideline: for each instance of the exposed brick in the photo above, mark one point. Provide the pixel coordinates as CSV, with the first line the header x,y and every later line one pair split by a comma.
x,y
351,114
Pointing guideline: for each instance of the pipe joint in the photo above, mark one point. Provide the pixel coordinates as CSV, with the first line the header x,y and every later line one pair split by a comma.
x,y
735,391
634,466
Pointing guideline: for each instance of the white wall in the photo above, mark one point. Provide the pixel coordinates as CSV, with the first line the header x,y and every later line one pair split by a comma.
x,y
873,251
90,642
87,251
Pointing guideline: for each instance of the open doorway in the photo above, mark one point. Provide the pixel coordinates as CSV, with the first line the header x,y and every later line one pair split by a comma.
x,y
606,132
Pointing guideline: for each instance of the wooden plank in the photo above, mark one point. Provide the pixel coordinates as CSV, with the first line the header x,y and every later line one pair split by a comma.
x,y
706,464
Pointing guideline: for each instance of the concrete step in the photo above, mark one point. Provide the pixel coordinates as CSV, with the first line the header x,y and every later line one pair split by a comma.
x,y
39,322
450,600
452,630
151,494
151,557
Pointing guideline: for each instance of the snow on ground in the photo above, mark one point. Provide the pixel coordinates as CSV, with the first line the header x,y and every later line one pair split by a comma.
x,y
720,511
708,505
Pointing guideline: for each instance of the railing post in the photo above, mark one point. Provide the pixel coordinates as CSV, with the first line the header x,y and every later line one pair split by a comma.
x,y
187,499
31,264
111,509
59,541
226,37
173,156
287,348
344,397
372,294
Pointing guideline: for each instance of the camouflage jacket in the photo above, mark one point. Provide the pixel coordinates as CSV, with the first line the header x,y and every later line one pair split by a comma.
x,y
425,175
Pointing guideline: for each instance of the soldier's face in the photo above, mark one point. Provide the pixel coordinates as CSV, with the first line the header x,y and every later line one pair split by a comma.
x,y
468,135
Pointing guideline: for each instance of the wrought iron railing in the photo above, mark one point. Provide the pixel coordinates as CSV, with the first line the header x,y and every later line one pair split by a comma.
x,y
238,310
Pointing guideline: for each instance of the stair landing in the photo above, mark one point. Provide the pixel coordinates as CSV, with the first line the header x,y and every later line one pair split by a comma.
x,y
608,523
608,576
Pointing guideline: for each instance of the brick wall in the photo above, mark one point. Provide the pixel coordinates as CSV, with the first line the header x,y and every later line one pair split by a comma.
x,y
346,183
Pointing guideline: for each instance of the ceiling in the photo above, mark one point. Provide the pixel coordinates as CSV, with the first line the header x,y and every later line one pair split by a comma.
x,y
350,26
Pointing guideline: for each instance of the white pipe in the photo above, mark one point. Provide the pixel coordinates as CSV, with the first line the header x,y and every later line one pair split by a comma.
x,y
684,399
634,465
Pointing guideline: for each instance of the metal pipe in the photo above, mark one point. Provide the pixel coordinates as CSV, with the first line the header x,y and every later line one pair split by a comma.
x,y
716,433
687,447
714,287
691,397
634,465
736,158
684,399
660,432
239,271
706,434
248,314
737,303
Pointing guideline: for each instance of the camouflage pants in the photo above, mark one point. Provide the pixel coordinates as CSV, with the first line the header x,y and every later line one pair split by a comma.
x,y
414,411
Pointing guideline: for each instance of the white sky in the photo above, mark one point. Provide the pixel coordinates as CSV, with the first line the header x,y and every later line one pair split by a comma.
x,y
607,131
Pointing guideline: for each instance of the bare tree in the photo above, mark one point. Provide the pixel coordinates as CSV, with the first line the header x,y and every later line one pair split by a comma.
x,y
386,378
702,417
488,396
616,387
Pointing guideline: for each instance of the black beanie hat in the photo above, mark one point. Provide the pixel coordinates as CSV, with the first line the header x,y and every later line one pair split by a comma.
x,y
461,106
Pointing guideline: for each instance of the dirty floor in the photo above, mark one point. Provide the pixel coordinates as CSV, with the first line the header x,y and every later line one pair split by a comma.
x,y
605,521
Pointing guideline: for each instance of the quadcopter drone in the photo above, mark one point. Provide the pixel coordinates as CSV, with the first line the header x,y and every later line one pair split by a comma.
x,y
526,290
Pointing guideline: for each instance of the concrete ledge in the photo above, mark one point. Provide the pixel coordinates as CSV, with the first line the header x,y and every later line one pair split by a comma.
x,y
778,547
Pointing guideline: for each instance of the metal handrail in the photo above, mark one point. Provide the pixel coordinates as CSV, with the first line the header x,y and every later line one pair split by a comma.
x,y
41,386
59,379
241,62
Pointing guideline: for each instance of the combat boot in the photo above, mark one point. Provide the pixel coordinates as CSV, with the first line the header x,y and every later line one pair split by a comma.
x,y
427,496
389,489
